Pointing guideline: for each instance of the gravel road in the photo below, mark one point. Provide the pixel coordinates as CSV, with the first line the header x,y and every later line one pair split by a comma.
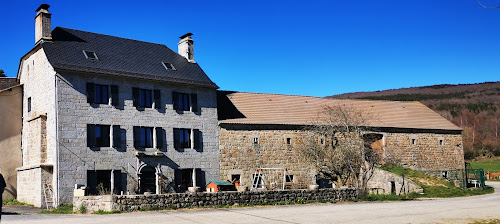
x,y
452,210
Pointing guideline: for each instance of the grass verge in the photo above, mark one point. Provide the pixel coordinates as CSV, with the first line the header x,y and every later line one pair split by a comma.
x,y
435,187
101,212
14,202
62,209
485,221
488,164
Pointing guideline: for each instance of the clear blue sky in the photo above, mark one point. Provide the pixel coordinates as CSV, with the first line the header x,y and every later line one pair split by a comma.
x,y
315,48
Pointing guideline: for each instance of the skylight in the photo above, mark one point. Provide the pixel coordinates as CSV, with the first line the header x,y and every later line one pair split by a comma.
x,y
168,66
90,55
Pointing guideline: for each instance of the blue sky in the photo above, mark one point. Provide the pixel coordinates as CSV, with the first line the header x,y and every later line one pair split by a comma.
x,y
316,48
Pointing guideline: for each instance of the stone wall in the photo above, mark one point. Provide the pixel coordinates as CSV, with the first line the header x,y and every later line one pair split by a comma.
x,y
205,199
384,182
74,114
38,127
239,154
432,151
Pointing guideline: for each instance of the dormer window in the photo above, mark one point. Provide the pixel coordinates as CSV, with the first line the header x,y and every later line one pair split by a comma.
x,y
168,66
91,55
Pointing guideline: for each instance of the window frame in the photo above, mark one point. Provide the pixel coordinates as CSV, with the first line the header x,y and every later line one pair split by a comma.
x,y
100,136
167,65
94,58
146,141
29,104
99,91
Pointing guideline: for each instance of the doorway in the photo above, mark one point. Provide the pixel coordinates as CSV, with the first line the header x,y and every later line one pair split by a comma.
x,y
148,180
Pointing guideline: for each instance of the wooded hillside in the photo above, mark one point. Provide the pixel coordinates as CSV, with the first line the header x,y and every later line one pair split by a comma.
x,y
473,107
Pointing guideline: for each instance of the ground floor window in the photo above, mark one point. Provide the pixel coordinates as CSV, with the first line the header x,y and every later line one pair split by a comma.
x,y
184,179
101,182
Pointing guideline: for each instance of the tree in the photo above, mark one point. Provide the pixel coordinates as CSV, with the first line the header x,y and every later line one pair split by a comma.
x,y
2,74
339,147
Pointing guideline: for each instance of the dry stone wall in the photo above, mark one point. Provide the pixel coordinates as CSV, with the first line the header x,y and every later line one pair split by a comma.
x,y
206,199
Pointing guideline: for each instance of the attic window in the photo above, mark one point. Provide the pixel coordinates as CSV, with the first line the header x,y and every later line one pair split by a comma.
x,y
168,66
90,55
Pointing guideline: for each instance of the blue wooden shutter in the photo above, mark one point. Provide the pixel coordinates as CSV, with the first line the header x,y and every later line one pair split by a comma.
x,y
91,135
194,102
176,138
117,136
175,100
135,96
90,93
157,98
114,95
137,137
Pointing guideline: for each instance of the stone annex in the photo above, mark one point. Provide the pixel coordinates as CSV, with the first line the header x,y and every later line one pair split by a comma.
x,y
265,130
126,117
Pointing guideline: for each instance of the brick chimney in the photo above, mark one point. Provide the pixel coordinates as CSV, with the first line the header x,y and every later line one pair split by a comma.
x,y
43,27
185,47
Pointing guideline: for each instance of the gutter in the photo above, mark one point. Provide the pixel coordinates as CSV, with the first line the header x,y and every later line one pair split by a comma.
x,y
56,198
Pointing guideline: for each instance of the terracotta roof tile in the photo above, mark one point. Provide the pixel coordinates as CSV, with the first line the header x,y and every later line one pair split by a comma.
x,y
259,108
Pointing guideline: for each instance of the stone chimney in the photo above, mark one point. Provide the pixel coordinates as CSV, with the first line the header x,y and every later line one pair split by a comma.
x,y
43,29
185,47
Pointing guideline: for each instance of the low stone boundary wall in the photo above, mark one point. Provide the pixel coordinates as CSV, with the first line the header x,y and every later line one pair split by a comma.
x,y
206,199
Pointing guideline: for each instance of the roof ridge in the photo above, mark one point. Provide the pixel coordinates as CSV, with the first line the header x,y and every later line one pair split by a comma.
x,y
323,98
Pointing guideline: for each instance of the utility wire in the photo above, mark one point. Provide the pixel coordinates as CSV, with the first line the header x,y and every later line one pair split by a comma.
x,y
487,7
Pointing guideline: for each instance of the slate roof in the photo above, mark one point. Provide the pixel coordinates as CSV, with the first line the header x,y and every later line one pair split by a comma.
x,y
261,108
120,57
6,83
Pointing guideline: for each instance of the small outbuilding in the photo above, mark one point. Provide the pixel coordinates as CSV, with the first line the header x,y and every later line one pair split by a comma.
x,y
215,186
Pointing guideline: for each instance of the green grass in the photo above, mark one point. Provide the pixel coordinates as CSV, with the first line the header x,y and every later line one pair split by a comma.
x,y
489,165
101,212
62,209
14,202
434,187
387,197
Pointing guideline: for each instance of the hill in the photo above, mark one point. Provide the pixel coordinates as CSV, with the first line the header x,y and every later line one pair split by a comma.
x,y
473,107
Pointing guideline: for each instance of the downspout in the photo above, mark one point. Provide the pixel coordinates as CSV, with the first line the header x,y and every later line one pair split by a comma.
x,y
56,199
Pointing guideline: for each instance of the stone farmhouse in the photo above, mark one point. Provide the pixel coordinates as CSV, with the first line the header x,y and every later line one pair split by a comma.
x,y
122,116
264,130
113,114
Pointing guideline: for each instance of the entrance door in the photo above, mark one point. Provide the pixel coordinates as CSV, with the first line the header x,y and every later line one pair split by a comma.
x,y
148,180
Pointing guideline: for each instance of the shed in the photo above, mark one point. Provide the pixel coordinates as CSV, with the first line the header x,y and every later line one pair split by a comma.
x,y
215,186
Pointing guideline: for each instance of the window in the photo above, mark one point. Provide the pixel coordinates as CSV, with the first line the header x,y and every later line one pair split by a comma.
x,y
235,177
322,141
29,104
288,141
168,66
187,138
99,94
289,178
413,141
182,138
441,142
144,98
99,182
98,135
143,137
255,141
91,55
185,102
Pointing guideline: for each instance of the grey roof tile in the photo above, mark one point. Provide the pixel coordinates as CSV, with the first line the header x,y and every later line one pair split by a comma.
x,y
120,56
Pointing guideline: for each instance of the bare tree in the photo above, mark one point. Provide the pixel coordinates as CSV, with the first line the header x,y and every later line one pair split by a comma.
x,y
339,147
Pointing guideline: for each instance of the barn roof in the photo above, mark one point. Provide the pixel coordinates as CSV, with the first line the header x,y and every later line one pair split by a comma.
x,y
275,109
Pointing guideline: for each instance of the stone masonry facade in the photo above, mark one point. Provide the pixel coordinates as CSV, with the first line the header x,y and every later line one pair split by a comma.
x,y
54,139
74,113
425,151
